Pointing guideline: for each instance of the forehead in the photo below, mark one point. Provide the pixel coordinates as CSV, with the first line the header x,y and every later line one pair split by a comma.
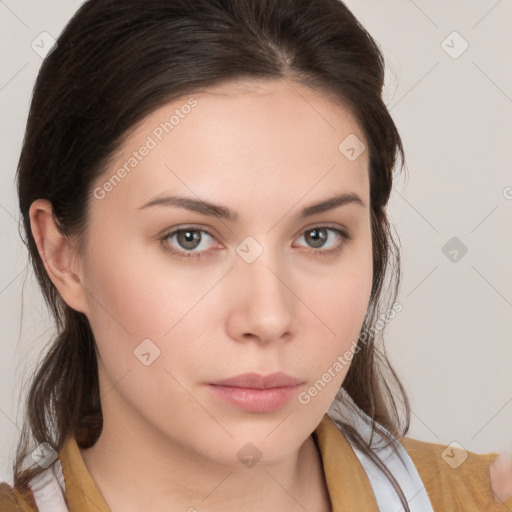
x,y
266,137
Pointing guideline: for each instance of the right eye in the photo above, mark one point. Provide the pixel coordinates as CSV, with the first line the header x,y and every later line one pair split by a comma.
x,y
189,238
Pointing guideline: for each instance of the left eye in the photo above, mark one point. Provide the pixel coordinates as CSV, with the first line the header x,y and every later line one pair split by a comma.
x,y
318,236
190,239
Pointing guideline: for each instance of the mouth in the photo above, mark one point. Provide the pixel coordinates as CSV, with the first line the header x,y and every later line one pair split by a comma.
x,y
254,399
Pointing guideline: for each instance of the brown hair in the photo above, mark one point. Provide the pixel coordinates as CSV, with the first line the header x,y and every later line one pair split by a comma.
x,y
119,60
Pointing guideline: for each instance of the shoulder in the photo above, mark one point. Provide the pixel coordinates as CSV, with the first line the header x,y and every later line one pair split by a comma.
x,y
454,478
15,500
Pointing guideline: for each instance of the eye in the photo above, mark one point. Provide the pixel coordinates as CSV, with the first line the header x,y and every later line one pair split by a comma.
x,y
191,241
318,235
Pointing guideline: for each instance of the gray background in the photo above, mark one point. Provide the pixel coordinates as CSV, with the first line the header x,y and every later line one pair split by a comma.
x,y
451,344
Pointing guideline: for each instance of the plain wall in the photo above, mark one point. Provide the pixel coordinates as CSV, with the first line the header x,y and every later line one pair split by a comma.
x,y
451,343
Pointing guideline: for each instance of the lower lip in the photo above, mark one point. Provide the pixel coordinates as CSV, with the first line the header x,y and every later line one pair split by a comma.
x,y
255,400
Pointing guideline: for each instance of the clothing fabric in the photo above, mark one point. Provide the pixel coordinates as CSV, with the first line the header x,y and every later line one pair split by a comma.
x,y
354,483
401,466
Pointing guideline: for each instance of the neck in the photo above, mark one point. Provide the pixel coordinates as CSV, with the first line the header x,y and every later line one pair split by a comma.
x,y
132,473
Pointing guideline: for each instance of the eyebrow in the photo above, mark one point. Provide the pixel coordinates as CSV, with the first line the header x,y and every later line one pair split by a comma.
x,y
223,212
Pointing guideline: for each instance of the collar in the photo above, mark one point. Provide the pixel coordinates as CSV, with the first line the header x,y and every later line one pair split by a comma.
x,y
347,482
82,493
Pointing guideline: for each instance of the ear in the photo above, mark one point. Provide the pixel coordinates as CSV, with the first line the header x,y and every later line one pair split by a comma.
x,y
58,255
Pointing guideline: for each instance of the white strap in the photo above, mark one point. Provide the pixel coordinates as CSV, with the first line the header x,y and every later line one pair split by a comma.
x,y
49,489
404,472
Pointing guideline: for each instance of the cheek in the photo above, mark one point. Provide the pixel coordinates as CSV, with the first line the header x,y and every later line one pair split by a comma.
x,y
342,309
133,287
345,296
135,310
339,306
137,295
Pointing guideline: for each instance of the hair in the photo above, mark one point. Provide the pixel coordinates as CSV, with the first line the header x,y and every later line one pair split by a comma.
x,y
116,62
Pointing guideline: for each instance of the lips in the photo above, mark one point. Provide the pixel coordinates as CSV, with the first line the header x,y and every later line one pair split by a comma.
x,y
254,393
256,381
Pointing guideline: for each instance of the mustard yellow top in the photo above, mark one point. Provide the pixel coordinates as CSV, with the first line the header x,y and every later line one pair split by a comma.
x,y
465,489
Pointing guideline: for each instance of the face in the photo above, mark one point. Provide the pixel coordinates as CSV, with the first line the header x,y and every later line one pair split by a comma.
x,y
180,296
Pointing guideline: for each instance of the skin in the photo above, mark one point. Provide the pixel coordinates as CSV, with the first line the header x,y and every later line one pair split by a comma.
x,y
265,149
501,476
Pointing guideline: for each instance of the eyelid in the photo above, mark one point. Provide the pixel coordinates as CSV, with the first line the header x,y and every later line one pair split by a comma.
x,y
197,227
331,225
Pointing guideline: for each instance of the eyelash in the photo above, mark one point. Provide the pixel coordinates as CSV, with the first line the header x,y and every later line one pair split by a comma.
x,y
346,238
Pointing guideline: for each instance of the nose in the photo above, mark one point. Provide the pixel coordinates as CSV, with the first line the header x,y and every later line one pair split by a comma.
x,y
262,304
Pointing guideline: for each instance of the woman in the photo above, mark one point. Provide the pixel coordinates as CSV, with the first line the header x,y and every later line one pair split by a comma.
x,y
203,186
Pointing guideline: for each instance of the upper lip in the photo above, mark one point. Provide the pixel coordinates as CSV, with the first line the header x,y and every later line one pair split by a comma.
x,y
256,381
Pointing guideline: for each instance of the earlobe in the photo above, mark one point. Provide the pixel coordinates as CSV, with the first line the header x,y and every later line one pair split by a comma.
x,y
58,255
